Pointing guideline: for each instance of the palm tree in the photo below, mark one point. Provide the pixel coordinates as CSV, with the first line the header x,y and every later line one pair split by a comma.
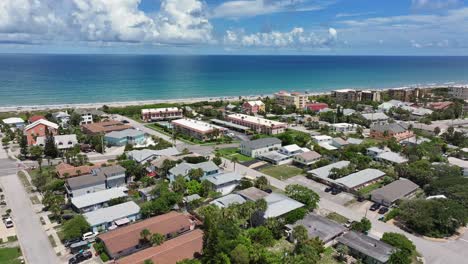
x,y
148,261
157,239
235,160
145,235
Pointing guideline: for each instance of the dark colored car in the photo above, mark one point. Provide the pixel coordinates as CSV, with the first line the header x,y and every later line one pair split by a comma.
x,y
125,121
335,191
374,207
68,243
383,210
80,257
268,190
360,199
328,189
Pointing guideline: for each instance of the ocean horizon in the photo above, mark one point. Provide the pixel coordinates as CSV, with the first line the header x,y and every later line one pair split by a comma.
x,y
50,79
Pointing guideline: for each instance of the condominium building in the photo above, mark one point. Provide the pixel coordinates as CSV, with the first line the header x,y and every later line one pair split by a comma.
x,y
257,124
350,95
156,114
198,129
460,92
299,100
406,94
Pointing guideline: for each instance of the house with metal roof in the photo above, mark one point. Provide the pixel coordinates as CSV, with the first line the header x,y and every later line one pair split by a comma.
x,y
324,172
124,137
398,131
227,200
360,179
366,248
96,200
61,141
224,183
109,218
318,226
307,158
391,157
375,118
115,175
144,155
280,204
85,184
184,168
397,190
257,147
14,122
275,157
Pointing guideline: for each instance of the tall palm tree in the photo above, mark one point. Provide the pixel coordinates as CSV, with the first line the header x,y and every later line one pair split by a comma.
x,y
235,160
145,235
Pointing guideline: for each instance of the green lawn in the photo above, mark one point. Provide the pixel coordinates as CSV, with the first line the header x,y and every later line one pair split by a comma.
x,y
10,255
337,218
282,172
230,153
369,188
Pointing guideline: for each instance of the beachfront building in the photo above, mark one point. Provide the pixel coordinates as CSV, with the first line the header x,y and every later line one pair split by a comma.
x,y
61,141
407,94
127,240
397,131
198,129
351,95
257,124
39,129
103,127
111,217
88,115
158,114
459,92
124,137
257,147
14,122
63,118
253,107
299,100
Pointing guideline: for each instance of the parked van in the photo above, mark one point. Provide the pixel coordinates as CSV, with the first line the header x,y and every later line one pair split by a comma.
x,y
79,246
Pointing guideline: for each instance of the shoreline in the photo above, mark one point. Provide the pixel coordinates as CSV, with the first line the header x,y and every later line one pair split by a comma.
x,y
29,108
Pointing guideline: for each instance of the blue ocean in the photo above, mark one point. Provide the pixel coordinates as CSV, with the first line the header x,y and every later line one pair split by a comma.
x,y
63,79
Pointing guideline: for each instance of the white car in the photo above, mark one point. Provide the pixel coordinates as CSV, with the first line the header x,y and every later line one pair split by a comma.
x,y
8,222
90,236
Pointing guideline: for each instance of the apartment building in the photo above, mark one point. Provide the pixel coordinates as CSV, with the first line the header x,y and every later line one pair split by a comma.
x,y
350,95
459,92
257,124
157,114
198,129
299,100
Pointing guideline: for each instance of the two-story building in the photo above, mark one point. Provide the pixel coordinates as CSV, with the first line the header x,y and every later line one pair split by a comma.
x,y
257,147
397,131
158,114
40,128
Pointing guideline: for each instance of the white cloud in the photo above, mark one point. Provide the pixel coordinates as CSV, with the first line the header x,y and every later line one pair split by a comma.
x,y
434,4
247,8
178,21
296,38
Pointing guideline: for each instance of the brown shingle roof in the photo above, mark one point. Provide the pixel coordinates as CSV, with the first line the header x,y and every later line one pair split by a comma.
x,y
65,170
310,155
104,127
129,236
171,251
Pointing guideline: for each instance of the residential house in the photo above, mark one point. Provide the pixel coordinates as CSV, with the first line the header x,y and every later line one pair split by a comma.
x,y
391,158
375,151
127,240
275,158
63,118
285,99
317,227
35,118
339,142
307,158
375,118
183,169
158,114
103,127
440,105
462,164
198,129
14,122
252,194
65,170
39,129
61,141
365,248
291,150
316,107
224,183
344,127
144,155
258,124
228,200
88,115
395,191
111,217
84,184
253,107
257,147
187,246
398,131
96,200
114,175
322,174
357,180
124,137
324,141
147,193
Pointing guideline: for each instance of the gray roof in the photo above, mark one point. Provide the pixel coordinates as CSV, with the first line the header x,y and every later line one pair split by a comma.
x,y
112,213
396,190
125,133
94,112
361,177
228,200
253,194
145,154
97,197
367,245
110,170
393,127
324,172
355,141
375,116
279,204
61,141
184,168
393,157
309,155
191,198
274,155
223,178
319,226
261,142
340,141
229,124
85,180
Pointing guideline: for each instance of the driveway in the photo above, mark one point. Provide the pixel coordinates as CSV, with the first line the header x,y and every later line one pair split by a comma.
x,y
32,238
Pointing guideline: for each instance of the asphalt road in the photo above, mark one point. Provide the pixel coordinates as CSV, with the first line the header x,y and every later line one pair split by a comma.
x,y
32,237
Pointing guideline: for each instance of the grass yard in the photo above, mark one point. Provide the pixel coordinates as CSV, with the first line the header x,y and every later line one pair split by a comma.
x,y
10,255
328,256
337,218
230,153
369,188
282,172
282,245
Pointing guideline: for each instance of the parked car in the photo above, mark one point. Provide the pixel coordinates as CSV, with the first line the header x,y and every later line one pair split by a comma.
x,y
349,223
79,247
125,121
90,236
80,257
383,210
68,243
335,191
360,199
374,207
8,222
328,189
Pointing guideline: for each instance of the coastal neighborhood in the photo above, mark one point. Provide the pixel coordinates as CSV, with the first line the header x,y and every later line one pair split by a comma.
x,y
369,176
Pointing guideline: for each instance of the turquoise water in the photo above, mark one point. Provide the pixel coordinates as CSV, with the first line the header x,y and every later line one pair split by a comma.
x,y
59,79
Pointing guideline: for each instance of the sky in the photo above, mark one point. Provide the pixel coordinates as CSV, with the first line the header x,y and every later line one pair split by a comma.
x,y
253,27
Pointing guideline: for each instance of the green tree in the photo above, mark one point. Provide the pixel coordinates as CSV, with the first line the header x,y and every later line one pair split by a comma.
x,y
261,235
399,241
300,234
303,195
400,257
194,187
362,226
75,227
156,239
50,149
261,183
179,184
24,151
196,174
240,255
235,160
145,235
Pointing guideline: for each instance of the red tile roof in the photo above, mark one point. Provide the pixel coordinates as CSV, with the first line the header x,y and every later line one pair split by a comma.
x,y
33,119
186,246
